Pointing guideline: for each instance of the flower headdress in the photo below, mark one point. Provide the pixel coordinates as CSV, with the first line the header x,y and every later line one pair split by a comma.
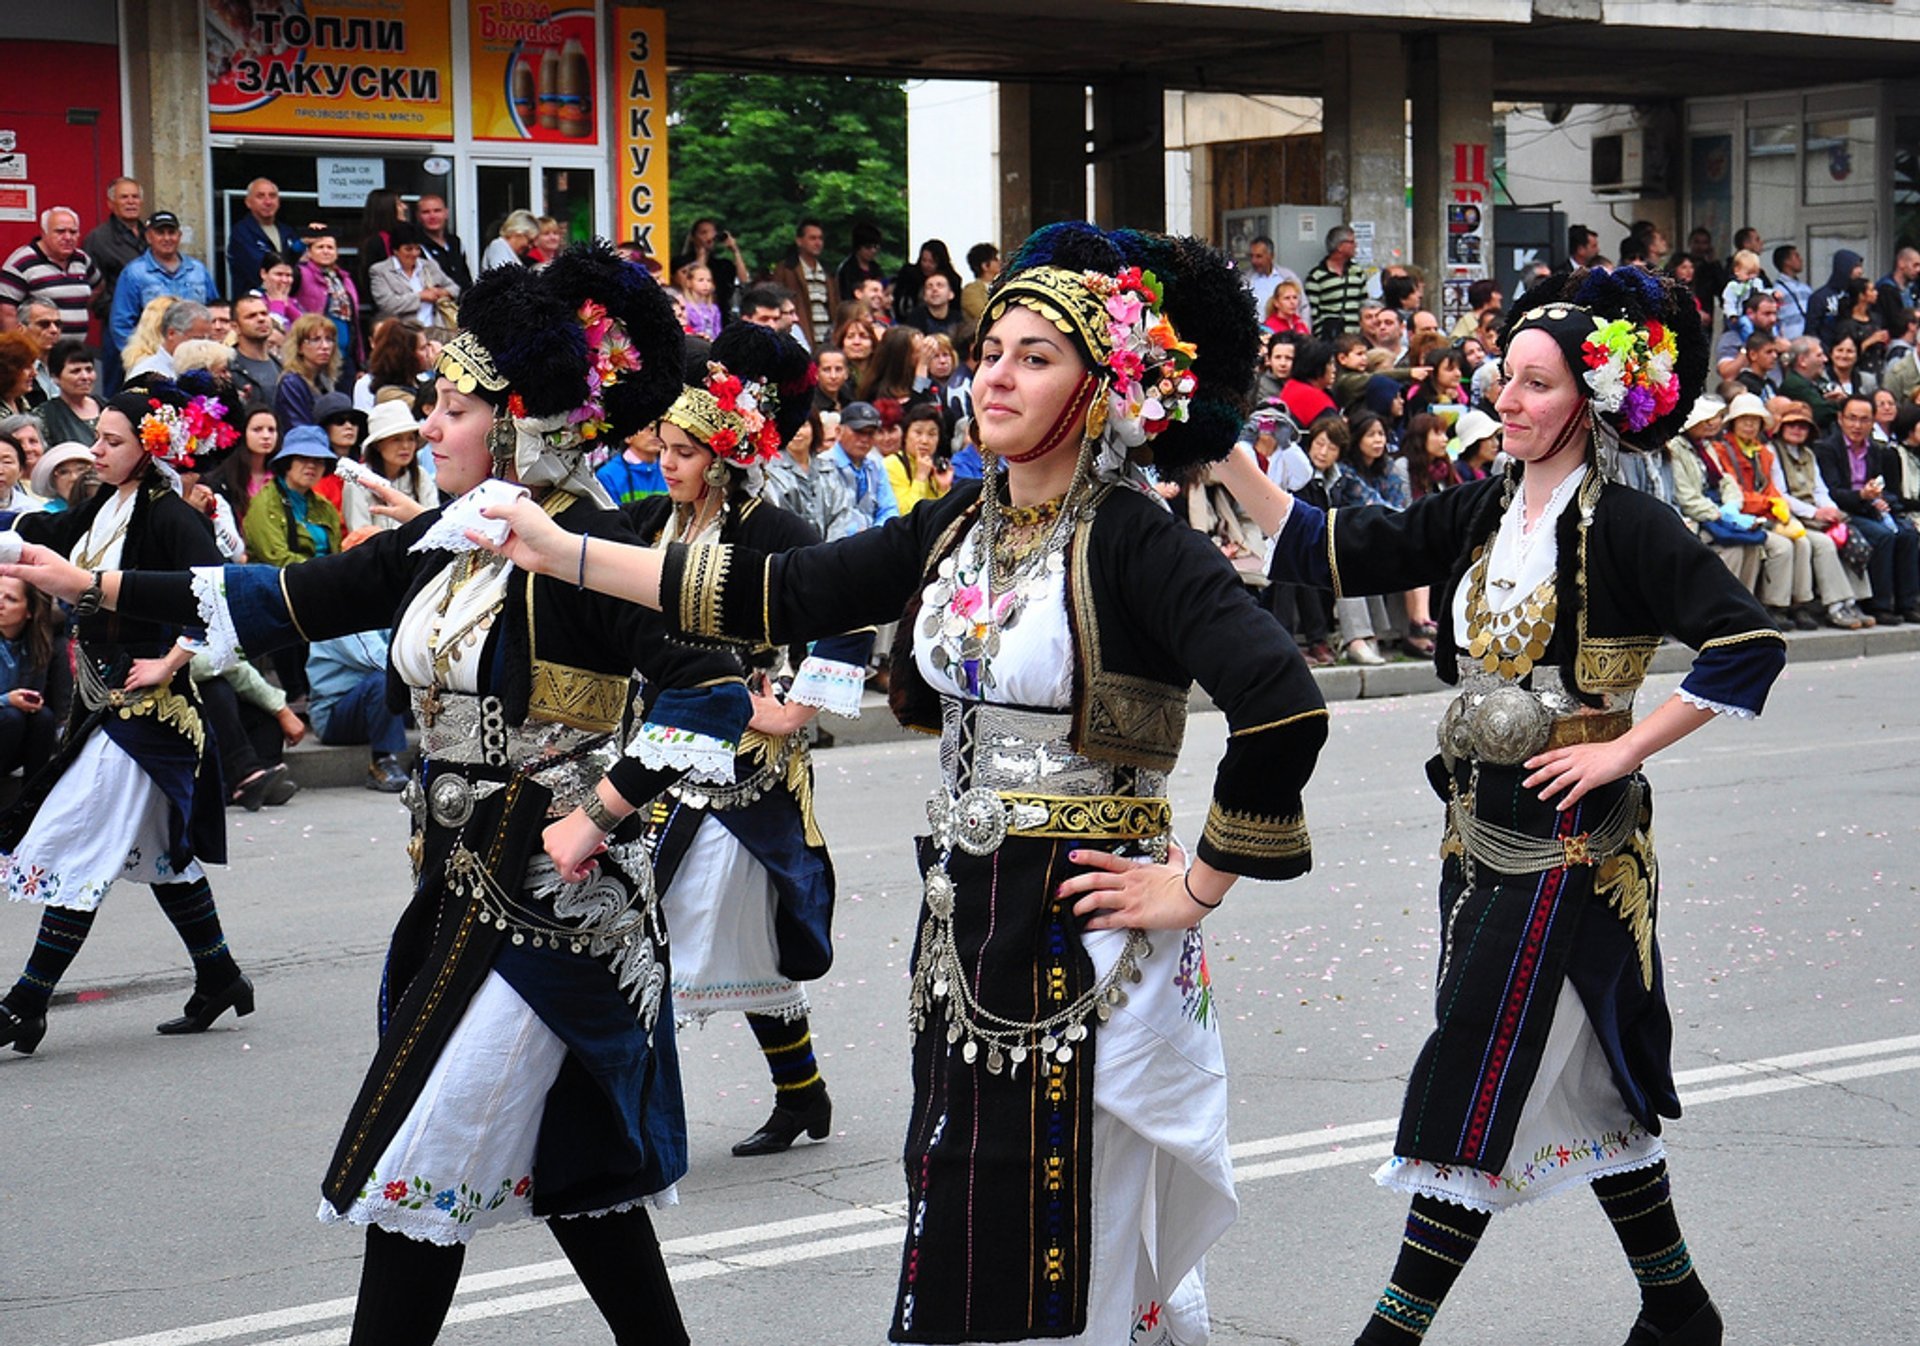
x,y
733,416
173,434
1151,368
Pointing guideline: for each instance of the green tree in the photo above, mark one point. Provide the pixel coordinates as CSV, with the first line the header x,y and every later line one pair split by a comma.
x,y
759,152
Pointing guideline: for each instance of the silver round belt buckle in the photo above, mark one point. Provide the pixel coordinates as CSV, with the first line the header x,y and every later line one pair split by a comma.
x,y
979,821
1509,725
450,800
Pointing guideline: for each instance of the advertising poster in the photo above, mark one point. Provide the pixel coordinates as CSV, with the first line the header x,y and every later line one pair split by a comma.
x,y
330,67
533,70
1469,233
640,133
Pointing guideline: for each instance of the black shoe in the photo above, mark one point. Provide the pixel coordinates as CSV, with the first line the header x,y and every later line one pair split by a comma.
x,y
252,793
1781,620
1804,618
784,1127
20,1031
1884,616
386,775
1703,1329
1911,614
202,1010
284,787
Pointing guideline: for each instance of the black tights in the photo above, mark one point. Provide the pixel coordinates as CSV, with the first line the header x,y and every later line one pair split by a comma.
x,y
406,1286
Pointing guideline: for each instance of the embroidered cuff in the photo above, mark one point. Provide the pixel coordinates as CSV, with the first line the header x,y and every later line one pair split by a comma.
x,y
1259,846
829,685
695,730
701,757
222,646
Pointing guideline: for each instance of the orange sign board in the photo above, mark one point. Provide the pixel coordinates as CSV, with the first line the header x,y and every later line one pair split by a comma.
x,y
640,136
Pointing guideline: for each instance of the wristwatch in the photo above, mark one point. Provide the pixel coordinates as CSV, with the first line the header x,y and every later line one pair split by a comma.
x,y
89,602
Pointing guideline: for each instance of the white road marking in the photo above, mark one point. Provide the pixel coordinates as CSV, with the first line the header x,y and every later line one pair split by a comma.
x,y
1326,1147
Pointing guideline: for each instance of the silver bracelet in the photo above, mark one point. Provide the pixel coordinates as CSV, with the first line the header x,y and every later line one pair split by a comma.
x,y
598,813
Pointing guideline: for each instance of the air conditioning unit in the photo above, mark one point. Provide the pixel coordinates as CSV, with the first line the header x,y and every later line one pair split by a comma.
x,y
1631,162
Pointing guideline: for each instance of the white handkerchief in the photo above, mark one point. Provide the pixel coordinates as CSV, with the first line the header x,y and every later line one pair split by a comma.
x,y
449,531
10,545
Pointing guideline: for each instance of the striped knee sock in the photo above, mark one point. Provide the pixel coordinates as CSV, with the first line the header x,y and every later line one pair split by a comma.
x,y
190,907
1640,1205
1440,1238
788,1046
62,932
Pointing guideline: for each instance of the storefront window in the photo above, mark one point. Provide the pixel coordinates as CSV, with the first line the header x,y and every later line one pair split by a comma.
x,y
1906,182
1840,161
1710,186
1773,165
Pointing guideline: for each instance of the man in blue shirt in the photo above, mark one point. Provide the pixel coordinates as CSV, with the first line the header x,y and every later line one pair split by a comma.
x,y
635,474
866,476
161,269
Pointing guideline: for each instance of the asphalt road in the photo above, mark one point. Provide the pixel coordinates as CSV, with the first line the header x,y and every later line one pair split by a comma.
x,y
162,1191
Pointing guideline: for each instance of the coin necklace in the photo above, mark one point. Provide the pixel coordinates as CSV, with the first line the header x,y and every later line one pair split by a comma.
x,y
1512,642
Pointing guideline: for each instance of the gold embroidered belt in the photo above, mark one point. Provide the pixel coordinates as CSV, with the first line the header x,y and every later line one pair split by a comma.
x,y
1511,852
978,820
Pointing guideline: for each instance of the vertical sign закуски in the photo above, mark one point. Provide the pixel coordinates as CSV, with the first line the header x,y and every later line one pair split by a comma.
x,y
640,142
330,67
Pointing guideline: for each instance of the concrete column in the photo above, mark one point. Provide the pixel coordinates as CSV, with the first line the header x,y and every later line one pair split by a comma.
x,y
167,109
1129,156
1043,157
1364,113
1452,80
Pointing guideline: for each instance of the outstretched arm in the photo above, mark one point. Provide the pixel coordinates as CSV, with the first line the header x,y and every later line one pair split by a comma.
x,y
1264,501
537,544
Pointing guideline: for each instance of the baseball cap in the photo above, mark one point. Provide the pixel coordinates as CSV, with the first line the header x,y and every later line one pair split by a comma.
x,y
860,416
162,219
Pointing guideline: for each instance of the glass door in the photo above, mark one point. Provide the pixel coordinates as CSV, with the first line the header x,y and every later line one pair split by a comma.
x,y
499,189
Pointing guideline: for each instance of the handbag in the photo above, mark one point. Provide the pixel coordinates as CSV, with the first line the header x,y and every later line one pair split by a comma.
x,y
1853,547
1720,533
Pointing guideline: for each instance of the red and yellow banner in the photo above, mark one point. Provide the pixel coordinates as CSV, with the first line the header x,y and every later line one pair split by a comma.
x,y
640,135
533,68
331,67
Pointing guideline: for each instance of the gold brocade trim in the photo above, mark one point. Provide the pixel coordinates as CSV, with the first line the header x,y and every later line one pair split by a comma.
x,y
699,413
1333,555
1063,299
287,598
1743,638
1279,724
766,603
1569,730
1130,720
1629,882
577,697
1257,836
169,708
468,365
700,589
1096,817
1604,664
791,761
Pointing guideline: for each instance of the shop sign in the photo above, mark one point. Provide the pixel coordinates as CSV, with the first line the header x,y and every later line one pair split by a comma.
x,y
16,203
640,134
331,67
533,71
344,183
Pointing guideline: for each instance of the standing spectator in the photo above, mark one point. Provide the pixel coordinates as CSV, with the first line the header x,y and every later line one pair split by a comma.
x,y
729,273
55,268
938,312
347,698
400,357
933,260
766,306
312,360
863,262
704,315
326,289
1899,289
256,234
861,470
1829,301
1709,276
805,276
383,212
1796,296
184,321
161,270
1759,313
1336,286
1861,477
1277,367
856,338
1282,312
548,242
442,244
635,473
892,372
277,280
70,416
514,242
40,320
255,372
410,284
1482,296
832,376
116,240
1859,319
873,298
983,259
1263,278
1583,246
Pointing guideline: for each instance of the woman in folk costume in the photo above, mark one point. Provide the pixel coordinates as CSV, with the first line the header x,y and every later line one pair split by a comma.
x,y
134,793
743,872
1550,1066
1066,1158
524,1067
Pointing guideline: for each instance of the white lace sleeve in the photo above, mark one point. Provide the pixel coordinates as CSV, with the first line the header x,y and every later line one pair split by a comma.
x,y
210,592
663,747
1716,707
829,685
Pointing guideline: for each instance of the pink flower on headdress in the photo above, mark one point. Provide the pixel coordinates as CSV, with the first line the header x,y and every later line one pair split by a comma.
x,y
1127,364
1124,307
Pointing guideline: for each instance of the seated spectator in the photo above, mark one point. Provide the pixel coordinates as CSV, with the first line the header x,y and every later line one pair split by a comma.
x,y
1804,379
798,479
1283,309
1386,398
290,523
983,259
1305,394
832,374
36,678
324,288
1325,440
855,337
1736,538
1443,386
24,430
410,284
910,284
277,279
247,470
348,702
634,473
1350,358
1906,441
1844,372
1747,484
896,364
255,371
1837,586
392,452
19,389
252,727
922,470
312,360
1885,409
346,427
1475,444
15,498
1860,476
862,470
71,415
401,357
63,472
1424,448
1759,366
1276,366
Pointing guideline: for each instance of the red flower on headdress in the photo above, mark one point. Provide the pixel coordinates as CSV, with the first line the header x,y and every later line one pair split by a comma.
x,y
726,391
516,407
724,442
